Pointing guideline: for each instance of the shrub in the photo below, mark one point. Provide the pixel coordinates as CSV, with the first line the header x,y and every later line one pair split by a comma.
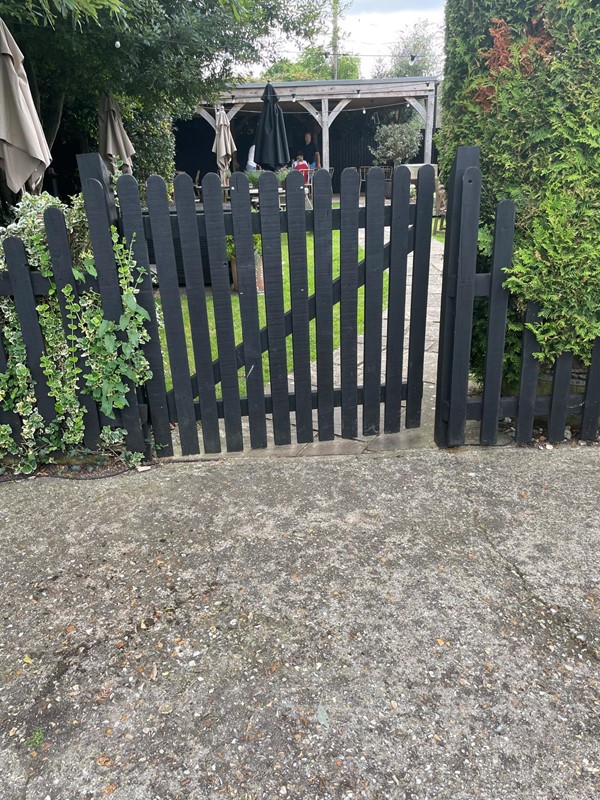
x,y
397,142
113,359
523,82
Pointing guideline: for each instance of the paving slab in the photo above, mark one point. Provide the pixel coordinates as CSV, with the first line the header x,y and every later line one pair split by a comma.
x,y
422,625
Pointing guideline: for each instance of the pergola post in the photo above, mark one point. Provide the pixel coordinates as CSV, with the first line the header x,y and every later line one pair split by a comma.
x,y
325,133
429,123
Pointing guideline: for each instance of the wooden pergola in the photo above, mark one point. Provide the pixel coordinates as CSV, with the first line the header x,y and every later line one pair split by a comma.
x,y
324,100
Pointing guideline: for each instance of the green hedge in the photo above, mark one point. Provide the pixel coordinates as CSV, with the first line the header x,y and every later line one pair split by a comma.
x,y
522,81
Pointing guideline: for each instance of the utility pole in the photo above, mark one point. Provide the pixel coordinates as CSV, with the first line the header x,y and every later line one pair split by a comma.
x,y
335,36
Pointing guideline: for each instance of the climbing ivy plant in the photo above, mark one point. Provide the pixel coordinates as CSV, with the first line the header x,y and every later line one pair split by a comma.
x,y
111,350
523,82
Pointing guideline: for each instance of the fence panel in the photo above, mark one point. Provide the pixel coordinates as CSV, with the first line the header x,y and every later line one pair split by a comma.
x,y
420,286
399,249
465,288
166,267
22,291
348,281
198,315
221,288
133,231
62,268
374,263
559,402
9,417
591,405
324,311
246,272
273,268
297,247
497,313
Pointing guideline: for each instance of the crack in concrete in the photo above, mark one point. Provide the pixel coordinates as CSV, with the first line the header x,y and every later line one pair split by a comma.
x,y
558,616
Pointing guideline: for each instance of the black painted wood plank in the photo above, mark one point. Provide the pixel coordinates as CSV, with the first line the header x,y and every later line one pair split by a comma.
x,y
185,202
212,195
348,285
399,243
272,267
62,268
110,292
591,407
465,287
158,207
504,232
529,378
465,157
133,231
418,303
22,291
246,272
561,389
296,225
322,196
374,265
8,417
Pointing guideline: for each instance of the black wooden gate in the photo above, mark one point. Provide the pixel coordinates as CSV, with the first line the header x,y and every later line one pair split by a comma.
x,y
462,283
288,392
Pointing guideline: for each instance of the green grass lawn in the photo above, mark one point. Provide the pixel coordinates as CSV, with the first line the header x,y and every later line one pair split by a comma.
x,y
237,322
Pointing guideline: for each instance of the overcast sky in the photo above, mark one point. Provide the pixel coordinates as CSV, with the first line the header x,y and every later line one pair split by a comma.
x,y
371,26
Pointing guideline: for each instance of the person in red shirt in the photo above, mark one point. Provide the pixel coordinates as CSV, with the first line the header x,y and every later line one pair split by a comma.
x,y
302,165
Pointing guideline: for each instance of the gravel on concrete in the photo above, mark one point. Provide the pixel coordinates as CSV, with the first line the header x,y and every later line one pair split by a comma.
x,y
414,625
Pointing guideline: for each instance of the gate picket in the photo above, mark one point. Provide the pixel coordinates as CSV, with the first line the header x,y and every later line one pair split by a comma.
x,y
420,285
96,210
246,271
160,222
559,402
529,377
62,268
20,281
296,222
396,320
185,203
221,288
8,417
496,332
272,266
156,390
349,198
324,300
374,261
591,405
465,292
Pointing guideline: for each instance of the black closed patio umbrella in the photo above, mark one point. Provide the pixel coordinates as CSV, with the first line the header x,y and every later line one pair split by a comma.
x,y
272,150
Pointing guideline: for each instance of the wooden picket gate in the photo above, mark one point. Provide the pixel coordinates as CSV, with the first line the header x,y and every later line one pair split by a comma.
x,y
461,285
179,236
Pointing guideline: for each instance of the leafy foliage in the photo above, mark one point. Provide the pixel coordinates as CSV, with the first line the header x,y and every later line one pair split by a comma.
x,y
396,142
315,64
112,351
417,52
523,82
45,12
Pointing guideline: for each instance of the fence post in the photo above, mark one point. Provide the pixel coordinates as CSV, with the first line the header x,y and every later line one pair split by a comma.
x,y
91,166
465,157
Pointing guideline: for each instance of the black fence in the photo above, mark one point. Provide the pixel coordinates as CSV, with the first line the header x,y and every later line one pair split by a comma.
x,y
219,392
461,285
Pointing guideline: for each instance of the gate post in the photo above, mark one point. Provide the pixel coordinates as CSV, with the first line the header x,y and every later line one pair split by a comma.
x,y
465,157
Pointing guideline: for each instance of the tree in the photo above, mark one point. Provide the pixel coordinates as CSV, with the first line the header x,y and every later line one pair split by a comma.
x,y
314,64
47,11
159,60
418,51
396,142
522,81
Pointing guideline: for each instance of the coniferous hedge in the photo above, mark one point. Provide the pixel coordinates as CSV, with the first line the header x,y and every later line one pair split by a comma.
x,y
522,81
